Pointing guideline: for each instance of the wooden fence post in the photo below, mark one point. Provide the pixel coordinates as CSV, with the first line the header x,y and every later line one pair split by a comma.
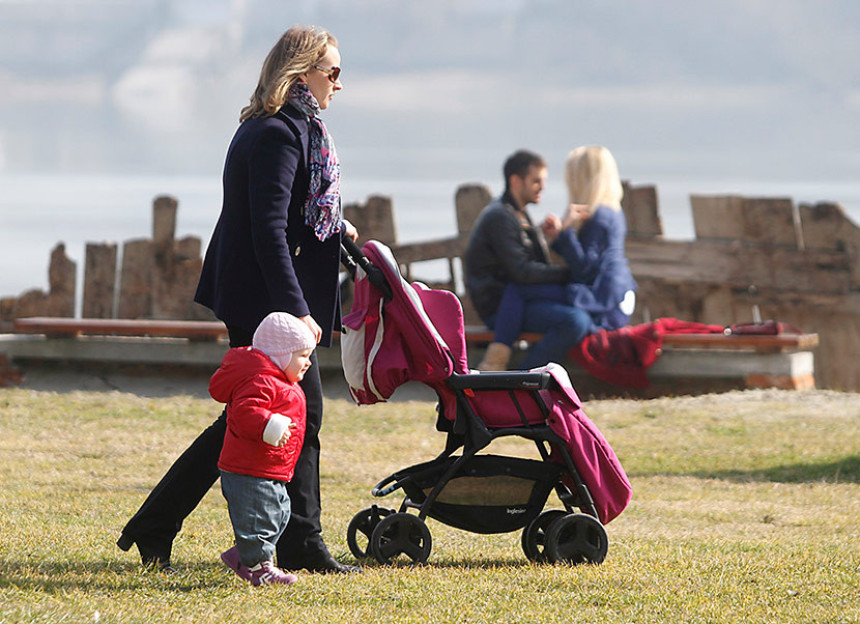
x,y
469,201
99,280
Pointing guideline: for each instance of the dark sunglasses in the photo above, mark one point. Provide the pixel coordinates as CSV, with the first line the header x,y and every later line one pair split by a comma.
x,y
333,73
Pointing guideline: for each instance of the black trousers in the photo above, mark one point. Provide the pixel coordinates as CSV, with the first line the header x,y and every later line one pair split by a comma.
x,y
185,484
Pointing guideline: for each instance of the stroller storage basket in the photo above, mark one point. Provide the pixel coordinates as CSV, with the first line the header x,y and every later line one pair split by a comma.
x,y
487,494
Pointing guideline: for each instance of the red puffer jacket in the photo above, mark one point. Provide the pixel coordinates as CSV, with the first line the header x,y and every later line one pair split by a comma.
x,y
254,388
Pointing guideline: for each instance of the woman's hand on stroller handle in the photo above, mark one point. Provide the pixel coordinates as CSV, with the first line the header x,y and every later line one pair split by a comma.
x,y
351,255
349,231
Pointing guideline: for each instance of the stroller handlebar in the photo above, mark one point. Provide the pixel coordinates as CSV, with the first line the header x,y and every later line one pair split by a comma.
x,y
379,489
351,257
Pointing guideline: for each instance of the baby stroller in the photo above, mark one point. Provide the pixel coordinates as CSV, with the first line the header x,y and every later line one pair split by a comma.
x,y
398,332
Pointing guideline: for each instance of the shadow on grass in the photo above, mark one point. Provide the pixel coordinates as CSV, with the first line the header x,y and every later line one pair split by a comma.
x,y
449,563
62,576
844,470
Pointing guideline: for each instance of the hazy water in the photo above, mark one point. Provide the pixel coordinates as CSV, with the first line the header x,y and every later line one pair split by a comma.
x,y
38,211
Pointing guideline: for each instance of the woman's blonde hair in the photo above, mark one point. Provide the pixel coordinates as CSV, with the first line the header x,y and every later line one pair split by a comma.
x,y
592,177
295,53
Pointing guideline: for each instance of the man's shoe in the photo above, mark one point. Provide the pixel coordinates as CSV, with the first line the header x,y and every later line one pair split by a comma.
x,y
323,562
163,567
496,357
149,555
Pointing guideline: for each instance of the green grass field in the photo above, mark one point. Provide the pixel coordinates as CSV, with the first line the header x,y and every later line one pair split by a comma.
x,y
746,508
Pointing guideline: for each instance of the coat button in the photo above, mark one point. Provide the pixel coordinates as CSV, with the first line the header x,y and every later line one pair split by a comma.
x,y
297,251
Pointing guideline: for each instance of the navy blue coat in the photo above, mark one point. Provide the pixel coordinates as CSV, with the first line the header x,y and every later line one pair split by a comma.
x,y
600,273
262,257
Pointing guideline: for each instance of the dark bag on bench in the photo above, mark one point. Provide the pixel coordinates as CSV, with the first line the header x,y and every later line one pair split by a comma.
x,y
766,328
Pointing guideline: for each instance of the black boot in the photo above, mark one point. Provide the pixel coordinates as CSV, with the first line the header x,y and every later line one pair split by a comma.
x,y
319,561
149,554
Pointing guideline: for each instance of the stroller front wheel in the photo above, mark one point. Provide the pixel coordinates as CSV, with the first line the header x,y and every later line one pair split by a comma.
x,y
361,528
400,534
535,533
577,538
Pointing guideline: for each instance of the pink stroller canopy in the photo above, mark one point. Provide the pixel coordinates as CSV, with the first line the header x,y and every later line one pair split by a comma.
x,y
416,335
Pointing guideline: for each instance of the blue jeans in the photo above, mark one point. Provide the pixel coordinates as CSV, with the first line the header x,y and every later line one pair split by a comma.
x,y
562,325
259,511
509,320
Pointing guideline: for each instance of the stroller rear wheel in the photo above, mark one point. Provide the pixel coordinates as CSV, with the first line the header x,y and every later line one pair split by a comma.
x,y
534,535
363,523
400,534
576,538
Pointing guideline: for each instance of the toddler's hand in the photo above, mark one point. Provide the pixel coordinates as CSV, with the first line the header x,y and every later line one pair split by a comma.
x,y
288,433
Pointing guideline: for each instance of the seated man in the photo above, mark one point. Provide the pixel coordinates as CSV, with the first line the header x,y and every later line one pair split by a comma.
x,y
505,247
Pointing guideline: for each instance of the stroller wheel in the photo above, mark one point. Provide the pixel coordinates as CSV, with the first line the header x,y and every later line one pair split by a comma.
x,y
400,534
364,522
577,538
534,535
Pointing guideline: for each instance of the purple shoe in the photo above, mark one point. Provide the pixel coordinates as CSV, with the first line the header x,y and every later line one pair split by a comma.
x,y
231,560
265,573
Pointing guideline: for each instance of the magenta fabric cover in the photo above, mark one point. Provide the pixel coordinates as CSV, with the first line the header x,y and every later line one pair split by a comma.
x,y
596,462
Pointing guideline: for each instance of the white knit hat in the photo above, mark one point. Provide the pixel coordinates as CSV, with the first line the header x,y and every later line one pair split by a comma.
x,y
279,335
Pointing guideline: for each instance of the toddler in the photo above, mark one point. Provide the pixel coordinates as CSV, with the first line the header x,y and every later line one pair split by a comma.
x,y
266,415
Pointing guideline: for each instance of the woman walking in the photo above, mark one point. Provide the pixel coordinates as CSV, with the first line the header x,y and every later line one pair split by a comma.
x,y
275,248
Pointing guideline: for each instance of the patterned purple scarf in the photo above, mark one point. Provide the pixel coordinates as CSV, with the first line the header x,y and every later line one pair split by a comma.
x,y
322,208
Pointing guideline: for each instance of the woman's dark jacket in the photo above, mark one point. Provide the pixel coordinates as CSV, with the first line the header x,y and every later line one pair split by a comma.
x,y
262,257
502,249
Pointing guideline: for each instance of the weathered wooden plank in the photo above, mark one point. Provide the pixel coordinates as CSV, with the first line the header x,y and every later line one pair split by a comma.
x,y
56,326
99,280
62,283
770,221
58,301
174,282
702,262
736,341
469,201
374,219
430,250
761,220
481,334
717,216
641,211
164,220
135,292
740,265
826,226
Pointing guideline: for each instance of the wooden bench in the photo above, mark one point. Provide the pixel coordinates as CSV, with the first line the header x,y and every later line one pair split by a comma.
x,y
70,328
476,334
690,363
111,342
114,343
711,361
